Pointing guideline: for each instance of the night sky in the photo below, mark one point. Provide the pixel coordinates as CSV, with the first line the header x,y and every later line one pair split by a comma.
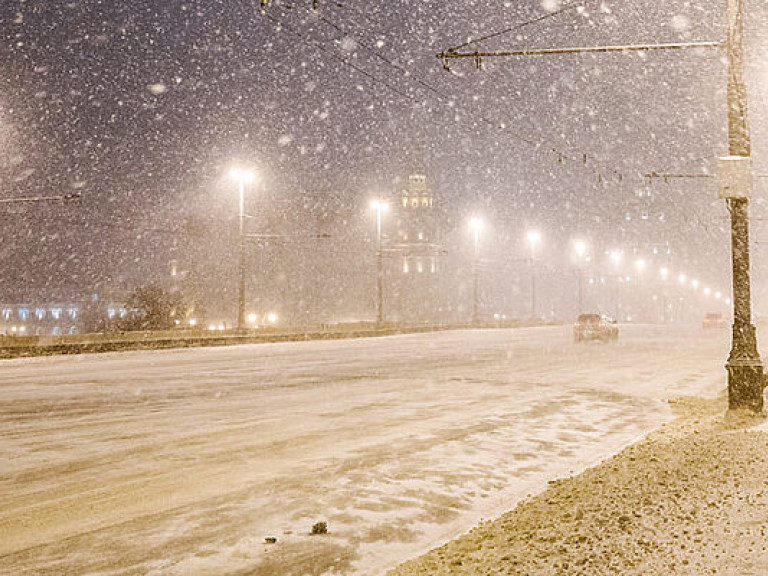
x,y
143,106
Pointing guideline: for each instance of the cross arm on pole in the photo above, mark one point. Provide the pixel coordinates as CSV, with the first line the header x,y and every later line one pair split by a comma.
x,y
38,199
452,54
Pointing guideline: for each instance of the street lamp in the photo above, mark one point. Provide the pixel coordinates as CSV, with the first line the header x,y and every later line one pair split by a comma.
x,y
664,273
476,225
534,237
616,258
581,251
380,206
242,177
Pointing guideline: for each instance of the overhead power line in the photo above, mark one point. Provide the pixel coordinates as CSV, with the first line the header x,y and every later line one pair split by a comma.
x,y
540,146
478,56
568,7
40,199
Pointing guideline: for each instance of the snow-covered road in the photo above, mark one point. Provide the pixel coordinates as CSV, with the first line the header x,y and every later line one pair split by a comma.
x,y
183,461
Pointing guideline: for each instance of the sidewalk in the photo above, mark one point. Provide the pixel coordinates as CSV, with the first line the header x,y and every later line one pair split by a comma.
x,y
692,498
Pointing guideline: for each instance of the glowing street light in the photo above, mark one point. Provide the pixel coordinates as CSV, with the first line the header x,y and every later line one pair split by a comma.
x,y
242,177
476,225
534,237
682,279
581,248
380,206
640,265
664,273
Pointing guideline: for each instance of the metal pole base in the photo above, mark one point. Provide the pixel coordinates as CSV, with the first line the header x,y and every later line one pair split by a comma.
x,y
745,387
746,380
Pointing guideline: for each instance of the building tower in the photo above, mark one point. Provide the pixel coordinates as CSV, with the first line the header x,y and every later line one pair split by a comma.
x,y
416,231
414,266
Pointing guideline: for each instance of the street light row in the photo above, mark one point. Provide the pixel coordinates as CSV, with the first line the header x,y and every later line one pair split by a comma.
x,y
476,224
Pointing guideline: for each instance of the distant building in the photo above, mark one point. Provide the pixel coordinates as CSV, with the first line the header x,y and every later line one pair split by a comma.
x,y
417,234
413,256
60,318
34,319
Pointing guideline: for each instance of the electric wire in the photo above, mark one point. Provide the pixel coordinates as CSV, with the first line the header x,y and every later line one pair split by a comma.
x,y
568,7
540,146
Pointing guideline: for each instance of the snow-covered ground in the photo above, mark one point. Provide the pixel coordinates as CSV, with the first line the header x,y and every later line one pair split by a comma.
x,y
184,461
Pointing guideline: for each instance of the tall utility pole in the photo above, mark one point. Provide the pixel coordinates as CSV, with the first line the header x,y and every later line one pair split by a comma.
x,y
746,379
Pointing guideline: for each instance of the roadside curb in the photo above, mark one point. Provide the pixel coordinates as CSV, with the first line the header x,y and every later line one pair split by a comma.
x,y
690,498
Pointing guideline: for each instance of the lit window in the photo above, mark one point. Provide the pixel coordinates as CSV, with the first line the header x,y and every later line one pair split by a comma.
x,y
111,313
23,313
73,313
40,313
405,266
415,202
56,313
421,235
405,202
420,266
7,313
627,216
424,202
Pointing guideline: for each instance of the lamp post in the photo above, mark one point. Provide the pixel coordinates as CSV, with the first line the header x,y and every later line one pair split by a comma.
x,y
616,258
664,274
242,177
640,266
534,237
746,380
476,224
380,207
581,251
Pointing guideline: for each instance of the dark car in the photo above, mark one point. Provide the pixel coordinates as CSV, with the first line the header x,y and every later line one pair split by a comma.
x,y
595,327
713,320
